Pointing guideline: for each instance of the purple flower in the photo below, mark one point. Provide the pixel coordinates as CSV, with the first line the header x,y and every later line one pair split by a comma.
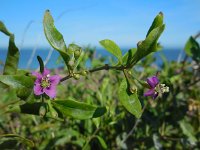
x,y
45,83
152,82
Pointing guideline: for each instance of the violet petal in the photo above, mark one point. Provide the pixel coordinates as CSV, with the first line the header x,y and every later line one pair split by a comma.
x,y
149,92
37,75
45,72
54,79
38,81
50,91
38,89
152,81
155,95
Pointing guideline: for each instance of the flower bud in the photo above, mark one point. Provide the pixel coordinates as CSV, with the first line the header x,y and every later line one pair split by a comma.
x,y
76,76
133,89
71,64
54,113
77,53
42,111
84,73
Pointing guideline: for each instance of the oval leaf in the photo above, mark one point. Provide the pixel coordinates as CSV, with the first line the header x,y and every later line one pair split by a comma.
x,y
158,21
149,45
12,58
23,84
18,138
129,100
78,110
54,37
113,48
102,142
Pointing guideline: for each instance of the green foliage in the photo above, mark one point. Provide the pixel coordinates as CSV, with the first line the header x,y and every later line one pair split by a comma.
x,y
192,49
113,48
4,144
78,110
21,83
54,37
129,100
158,21
12,58
150,44
188,131
128,56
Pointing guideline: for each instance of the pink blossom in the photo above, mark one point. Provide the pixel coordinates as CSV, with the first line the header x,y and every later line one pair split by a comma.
x,y
45,83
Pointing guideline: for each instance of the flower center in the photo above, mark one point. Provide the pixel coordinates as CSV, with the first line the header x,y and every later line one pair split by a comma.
x,y
45,82
162,88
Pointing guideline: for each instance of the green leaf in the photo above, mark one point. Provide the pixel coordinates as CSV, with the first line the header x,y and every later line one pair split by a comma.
x,y
73,47
192,49
113,48
41,63
128,56
78,110
12,58
54,37
149,45
102,142
129,100
158,21
188,131
18,138
32,109
4,29
191,43
23,84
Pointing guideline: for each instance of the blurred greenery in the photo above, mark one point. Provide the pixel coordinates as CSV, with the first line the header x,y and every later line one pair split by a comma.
x,y
169,122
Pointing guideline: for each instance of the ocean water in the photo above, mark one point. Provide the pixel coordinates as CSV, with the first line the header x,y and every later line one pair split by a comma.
x,y
28,60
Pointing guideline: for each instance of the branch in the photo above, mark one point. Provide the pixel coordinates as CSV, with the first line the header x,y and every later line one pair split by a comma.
x,y
105,67
135,125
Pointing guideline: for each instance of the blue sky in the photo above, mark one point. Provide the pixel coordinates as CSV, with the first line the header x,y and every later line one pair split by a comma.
x,y
89,21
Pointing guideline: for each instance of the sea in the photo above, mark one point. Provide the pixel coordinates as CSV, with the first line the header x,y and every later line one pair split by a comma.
x,y
28,56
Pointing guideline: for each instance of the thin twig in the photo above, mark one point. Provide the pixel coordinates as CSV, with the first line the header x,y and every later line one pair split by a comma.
x,y
90,138
135,125
105,67
66,78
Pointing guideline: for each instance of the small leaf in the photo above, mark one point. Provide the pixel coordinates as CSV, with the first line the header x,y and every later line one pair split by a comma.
x,y
73,47
188,131
191,43
102,142
113,48
23,84
41,63
78,110
192,49
157,142
12,58
31,109
54,37
18,138
128,56
129,100
4,29
149,45
158,21
97,122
